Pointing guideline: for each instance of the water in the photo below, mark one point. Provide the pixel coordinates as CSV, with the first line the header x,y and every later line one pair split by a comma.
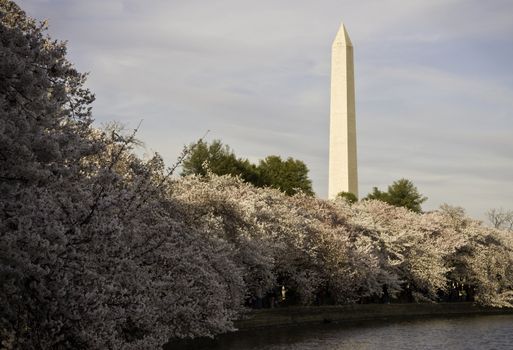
x,y
470,332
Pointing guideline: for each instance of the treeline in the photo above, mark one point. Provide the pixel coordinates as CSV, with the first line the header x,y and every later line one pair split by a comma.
x,y
100,249
289,176
322,252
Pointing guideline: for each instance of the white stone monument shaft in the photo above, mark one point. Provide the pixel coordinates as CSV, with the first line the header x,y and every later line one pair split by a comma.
x,y
343,173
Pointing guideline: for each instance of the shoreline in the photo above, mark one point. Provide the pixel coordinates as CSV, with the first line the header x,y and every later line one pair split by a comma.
x,y
356,313
280,320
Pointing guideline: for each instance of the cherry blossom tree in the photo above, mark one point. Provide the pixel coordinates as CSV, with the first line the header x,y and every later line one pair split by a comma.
x,y
93,253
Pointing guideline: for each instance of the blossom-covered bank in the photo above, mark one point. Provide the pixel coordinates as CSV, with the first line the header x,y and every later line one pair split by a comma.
x,y
325,252
100,249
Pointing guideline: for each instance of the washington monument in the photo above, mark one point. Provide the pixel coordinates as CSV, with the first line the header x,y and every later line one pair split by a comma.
x,y
343,173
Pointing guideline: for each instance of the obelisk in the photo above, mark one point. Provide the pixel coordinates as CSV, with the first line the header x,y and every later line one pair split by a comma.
x,y
343,173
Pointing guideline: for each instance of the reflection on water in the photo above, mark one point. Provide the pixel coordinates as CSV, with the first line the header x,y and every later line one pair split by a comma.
x,y
470,332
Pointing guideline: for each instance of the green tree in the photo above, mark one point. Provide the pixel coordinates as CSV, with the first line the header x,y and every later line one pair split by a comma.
x,y
220,160
203,157
401,193
348,197
377,194
289,176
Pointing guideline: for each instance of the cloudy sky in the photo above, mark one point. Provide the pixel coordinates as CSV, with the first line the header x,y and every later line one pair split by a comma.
x,y
434,83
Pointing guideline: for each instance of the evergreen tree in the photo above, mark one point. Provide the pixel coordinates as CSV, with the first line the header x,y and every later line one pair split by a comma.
x,y
401,193
289,176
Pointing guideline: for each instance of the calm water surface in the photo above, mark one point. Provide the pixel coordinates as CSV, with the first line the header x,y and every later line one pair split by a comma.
x,y
474,332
